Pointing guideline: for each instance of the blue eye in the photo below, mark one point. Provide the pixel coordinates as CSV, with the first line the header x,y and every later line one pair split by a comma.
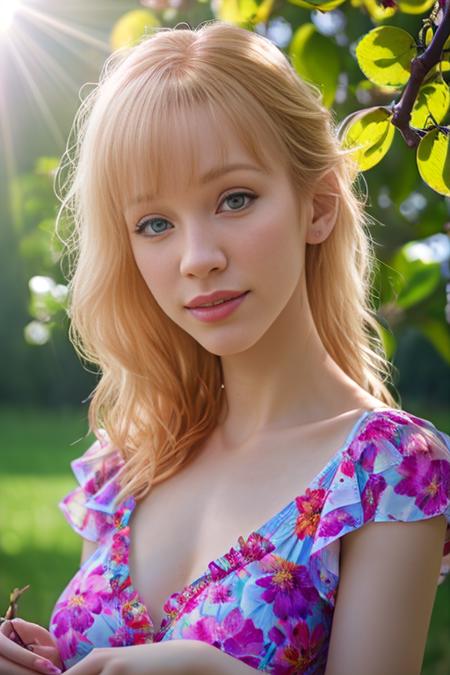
x,y
155,223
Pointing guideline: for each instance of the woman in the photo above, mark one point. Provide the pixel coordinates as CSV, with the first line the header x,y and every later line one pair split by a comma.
x,y
236,506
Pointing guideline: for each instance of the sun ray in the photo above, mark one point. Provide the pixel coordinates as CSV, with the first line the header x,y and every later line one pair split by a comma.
x,y
8,9
62,27
28,45
6,136
37,95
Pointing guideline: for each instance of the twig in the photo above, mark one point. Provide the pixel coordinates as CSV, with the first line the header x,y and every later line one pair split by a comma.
x,y
420,66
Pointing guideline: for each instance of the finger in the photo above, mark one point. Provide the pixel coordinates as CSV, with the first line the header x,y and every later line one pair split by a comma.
x,y
37,640
33,632
45,652
6,628
11,651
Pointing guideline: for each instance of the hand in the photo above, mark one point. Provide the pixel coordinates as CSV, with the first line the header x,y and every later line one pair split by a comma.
x,y
174,657
19,660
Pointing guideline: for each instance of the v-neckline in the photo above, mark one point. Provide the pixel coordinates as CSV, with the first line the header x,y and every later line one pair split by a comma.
x,y
256,540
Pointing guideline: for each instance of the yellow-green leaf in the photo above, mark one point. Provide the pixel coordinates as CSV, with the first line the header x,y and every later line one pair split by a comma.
x,y
385,54
241,12
433,161
415,6
433,98
370,133
316,58
318,5
130,28
378,12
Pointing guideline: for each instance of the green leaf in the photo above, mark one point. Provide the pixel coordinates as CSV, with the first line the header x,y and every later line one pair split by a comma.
x,y
438,334
316,59
433,98
418,276
420,285
371,133
385,54
433,161
389,341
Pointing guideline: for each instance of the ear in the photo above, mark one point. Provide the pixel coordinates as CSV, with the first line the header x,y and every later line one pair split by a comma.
x,y
325,204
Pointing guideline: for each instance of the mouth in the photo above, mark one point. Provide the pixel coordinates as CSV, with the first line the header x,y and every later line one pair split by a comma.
x,y
217,303
218,311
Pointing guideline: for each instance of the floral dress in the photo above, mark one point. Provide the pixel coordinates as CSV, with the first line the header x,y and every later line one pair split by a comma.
x,y
269,600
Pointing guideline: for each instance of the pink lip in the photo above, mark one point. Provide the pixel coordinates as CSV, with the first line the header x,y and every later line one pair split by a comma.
x,y
210,314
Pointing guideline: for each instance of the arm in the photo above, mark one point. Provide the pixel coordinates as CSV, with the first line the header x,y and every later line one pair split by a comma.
x,y
210,659
388,582
88,548
174,657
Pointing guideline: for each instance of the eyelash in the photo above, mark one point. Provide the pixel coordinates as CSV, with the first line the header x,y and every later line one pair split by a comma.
x,y
145,221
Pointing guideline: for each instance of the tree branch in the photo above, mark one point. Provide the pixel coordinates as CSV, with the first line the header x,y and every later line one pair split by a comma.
x,y
420,66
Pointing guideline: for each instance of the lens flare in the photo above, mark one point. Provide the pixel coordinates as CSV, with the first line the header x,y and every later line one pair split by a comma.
x,y
7,10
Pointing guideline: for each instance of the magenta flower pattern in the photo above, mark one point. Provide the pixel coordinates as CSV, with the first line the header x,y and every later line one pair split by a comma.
x,y
269,600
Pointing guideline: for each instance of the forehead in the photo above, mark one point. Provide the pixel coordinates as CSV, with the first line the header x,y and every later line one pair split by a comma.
x,y
174,149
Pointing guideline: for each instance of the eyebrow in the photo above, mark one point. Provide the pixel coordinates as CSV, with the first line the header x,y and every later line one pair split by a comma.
x,y
207,177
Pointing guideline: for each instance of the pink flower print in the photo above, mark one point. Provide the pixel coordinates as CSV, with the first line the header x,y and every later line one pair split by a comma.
x,y
133,612
309,507
368,457
235,635
334,522
119,547
301,650
382,426
427,481
347,465
370,496
244,640
68,643
219,594
288,587
276,636
416,443
123,637
92,485
79,605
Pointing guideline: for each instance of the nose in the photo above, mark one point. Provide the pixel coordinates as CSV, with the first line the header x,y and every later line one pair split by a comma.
x,y
202,252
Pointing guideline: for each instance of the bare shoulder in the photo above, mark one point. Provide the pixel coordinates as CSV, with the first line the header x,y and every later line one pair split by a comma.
x,y
388,580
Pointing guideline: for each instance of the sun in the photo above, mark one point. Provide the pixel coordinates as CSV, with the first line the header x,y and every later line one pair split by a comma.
x,y
7,10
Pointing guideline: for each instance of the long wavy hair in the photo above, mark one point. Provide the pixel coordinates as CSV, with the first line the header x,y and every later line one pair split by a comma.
x,y
159,394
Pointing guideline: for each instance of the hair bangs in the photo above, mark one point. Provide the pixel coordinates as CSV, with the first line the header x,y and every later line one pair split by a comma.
x,y
156,134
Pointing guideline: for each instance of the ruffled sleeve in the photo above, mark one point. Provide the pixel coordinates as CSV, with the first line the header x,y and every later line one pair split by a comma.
x,y
90,507
396,468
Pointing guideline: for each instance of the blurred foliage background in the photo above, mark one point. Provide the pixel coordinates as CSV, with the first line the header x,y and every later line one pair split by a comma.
x,y
50,54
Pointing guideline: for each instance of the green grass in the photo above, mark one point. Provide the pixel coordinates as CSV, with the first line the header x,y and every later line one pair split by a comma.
x,y
38,547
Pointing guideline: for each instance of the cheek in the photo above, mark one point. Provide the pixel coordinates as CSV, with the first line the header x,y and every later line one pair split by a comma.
x,y
152,269
277,253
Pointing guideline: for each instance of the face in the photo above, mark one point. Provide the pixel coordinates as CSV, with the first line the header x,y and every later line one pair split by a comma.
x,y
239,231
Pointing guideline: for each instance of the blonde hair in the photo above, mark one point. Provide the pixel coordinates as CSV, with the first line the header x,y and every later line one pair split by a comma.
x,y
158,397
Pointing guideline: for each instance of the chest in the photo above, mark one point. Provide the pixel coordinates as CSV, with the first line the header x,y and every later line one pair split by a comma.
x,y
198,514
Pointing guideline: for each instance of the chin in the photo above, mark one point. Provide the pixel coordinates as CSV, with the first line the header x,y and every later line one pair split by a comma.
x,y
227,345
